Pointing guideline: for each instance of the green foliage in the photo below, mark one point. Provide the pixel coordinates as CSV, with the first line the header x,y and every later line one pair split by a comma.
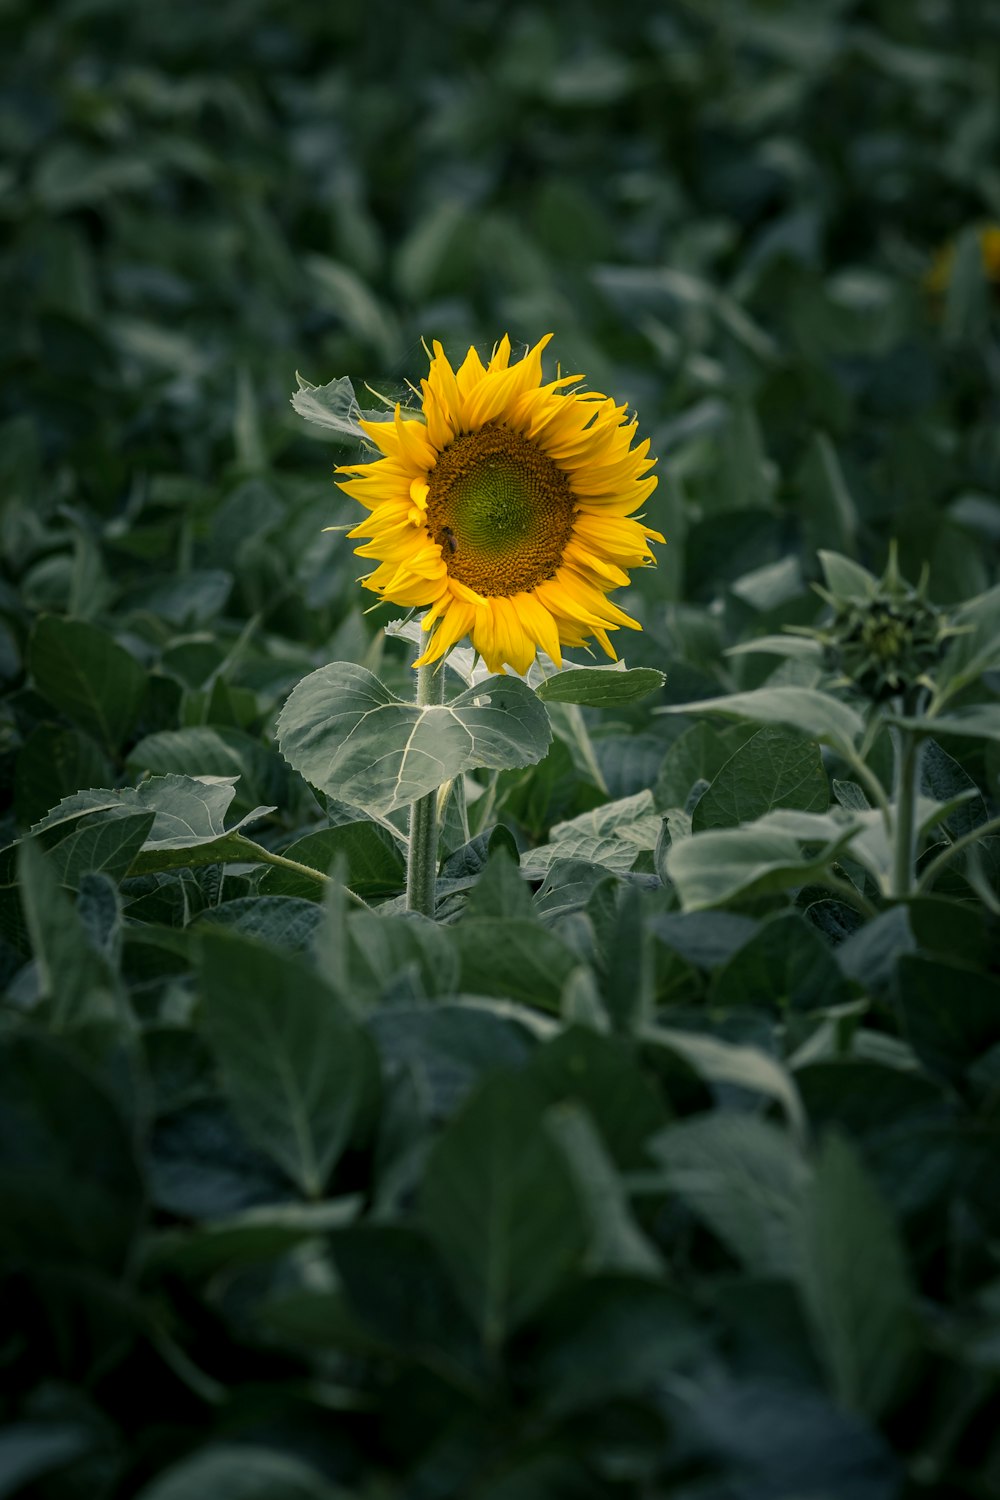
x,y
662,1159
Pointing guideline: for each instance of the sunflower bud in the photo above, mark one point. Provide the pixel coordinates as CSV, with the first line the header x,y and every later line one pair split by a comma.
x,y
885,641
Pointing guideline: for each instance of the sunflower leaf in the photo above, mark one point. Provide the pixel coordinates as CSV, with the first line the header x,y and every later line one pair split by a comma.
x,y
355,740
601,687
333,405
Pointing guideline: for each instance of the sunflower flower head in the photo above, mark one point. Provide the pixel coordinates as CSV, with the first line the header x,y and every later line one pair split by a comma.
x,y
506,509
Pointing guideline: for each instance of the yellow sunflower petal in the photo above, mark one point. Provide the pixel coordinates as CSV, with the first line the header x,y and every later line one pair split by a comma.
x,y
507,507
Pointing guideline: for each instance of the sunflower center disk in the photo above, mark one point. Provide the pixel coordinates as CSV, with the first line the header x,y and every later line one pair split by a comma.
x,y
500,510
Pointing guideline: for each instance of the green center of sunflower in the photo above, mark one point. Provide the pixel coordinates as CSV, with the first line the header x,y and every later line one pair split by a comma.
x,y
500,510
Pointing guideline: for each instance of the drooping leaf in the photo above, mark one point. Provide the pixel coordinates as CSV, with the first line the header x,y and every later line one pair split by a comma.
x,y
75,975
728,1064
333,405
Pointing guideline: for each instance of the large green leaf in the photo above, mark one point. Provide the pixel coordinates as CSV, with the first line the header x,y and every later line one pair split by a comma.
x,y
602,1074
110,845
500,1202
356,741
950,1012
513,958
696,756
398,1286
786,962
293,1062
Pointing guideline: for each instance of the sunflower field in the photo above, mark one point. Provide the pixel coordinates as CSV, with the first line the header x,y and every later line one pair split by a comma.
x,y
500,648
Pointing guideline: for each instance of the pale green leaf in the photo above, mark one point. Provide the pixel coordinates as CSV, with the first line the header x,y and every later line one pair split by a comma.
x,y
720,865
814,713
612,835
246,1471
356,741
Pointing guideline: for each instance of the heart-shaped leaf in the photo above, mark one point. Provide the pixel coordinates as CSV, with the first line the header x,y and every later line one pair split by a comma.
x,y
355,740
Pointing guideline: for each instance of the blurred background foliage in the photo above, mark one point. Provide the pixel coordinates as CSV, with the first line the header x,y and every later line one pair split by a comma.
x,y
726,211
760,222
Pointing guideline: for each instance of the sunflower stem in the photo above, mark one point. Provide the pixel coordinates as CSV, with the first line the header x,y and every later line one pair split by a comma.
x,y
421,861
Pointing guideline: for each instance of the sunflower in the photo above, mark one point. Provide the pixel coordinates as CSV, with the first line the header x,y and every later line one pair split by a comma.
x,y
507,509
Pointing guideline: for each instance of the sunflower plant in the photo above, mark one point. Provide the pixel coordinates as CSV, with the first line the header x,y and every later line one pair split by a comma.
x,y
888,666
505,509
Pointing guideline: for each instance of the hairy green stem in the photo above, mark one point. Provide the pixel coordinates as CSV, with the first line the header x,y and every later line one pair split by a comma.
x,y
421,861
268,857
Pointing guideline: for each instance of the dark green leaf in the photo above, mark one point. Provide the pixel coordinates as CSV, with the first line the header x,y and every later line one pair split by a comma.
x,y
774,768
785,963
500,1203
600,687
74,974
85,674
69,1178
855,1282
292,1061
